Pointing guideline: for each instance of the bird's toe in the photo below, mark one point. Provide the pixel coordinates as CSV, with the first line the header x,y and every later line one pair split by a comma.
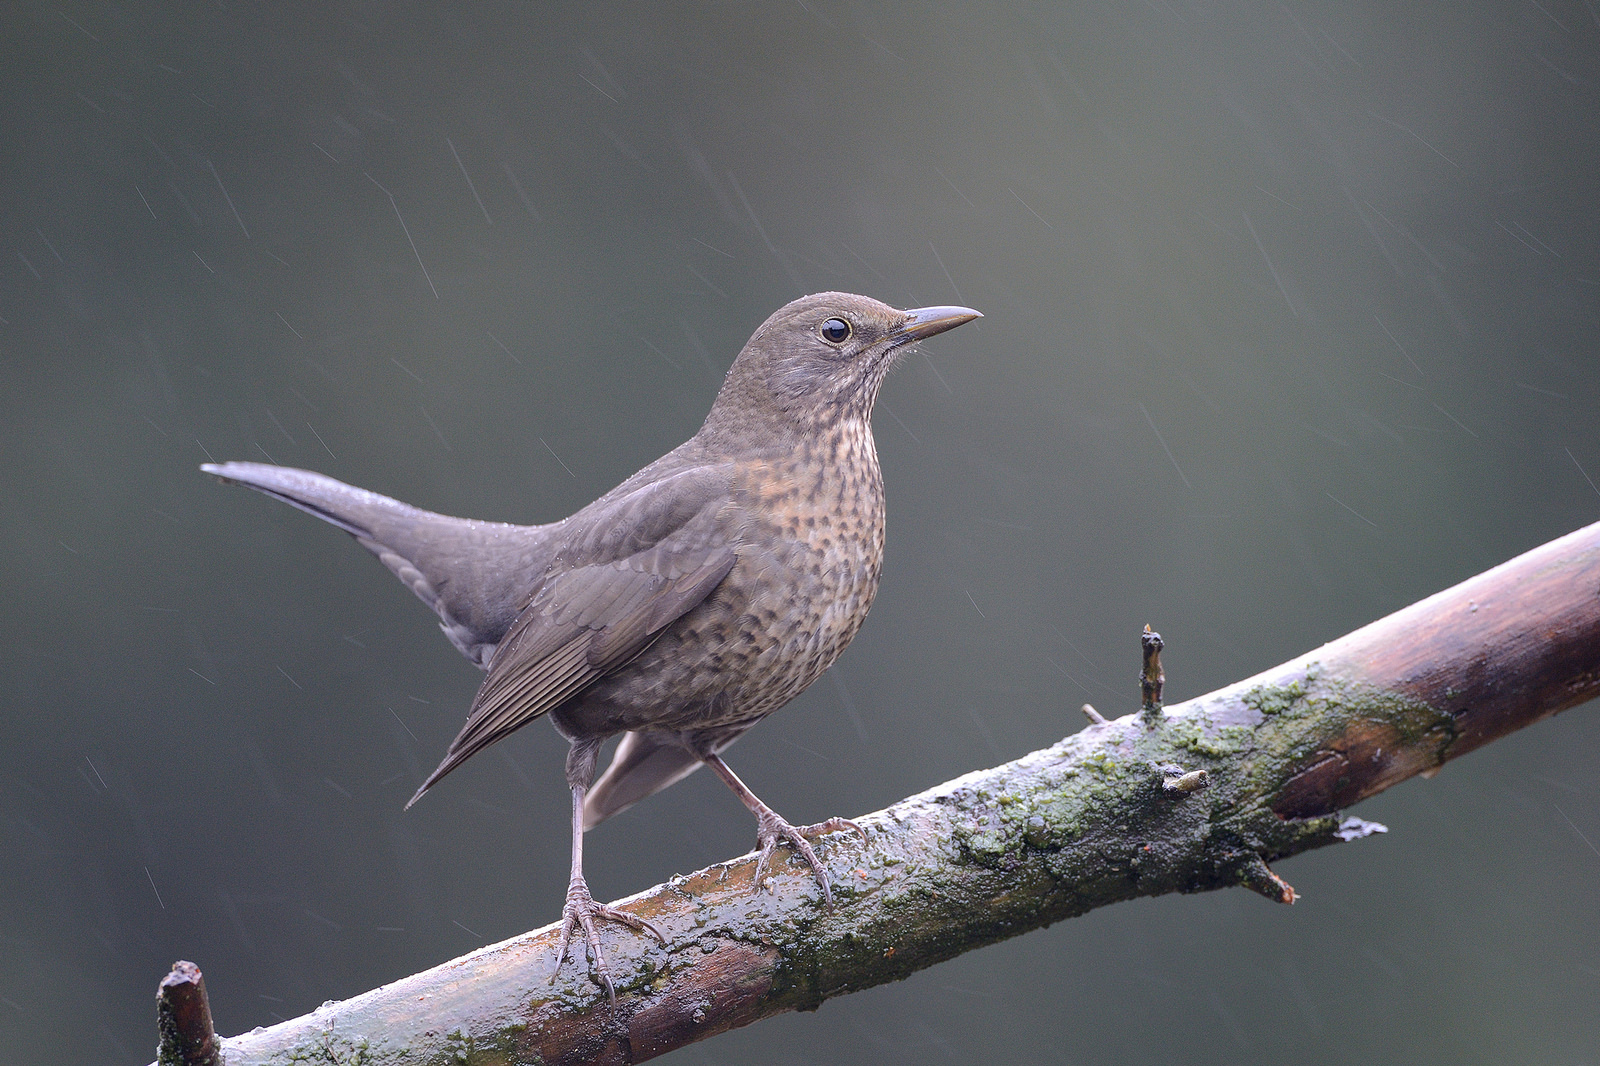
x,y
580,912
772,830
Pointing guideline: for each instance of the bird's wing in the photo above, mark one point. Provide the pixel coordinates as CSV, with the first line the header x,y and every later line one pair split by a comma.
x,y
586,621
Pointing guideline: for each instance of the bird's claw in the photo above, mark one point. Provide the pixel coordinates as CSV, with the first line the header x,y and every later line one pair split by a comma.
x,y
580,912
834,825
771,830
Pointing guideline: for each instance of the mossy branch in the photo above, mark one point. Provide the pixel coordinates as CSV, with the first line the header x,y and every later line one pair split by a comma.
x,y
1183,799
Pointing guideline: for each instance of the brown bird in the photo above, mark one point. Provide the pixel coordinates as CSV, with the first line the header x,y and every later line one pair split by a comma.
x,y
686,604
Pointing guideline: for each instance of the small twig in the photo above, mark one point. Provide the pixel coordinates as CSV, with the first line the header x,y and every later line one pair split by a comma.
x,y
183,1019
1094,716
1257,876
1151,679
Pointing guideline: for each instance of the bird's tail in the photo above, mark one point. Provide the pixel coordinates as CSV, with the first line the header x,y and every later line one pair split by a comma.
x,y
642,766
356,511
473,574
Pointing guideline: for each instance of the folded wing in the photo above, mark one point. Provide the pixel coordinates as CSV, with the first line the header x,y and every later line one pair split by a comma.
x,y
586,621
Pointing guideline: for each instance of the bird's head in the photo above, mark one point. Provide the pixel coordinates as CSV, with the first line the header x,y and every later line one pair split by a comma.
x,y
820,359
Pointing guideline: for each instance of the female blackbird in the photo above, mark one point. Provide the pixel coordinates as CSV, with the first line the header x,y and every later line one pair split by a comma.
x,y
686,604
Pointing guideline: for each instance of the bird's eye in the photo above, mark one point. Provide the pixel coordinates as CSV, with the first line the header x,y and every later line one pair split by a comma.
x,y
835,330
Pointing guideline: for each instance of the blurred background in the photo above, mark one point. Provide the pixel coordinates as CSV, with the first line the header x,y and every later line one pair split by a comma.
x,y
1292,314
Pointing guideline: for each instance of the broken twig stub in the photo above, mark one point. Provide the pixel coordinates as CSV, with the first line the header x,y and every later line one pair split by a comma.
x,y
1152,680
183,1020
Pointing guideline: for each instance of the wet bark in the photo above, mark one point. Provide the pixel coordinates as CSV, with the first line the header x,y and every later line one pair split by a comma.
x,y
1116,811
183,1020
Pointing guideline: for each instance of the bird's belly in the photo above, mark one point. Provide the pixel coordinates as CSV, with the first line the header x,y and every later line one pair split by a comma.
x,y
780,618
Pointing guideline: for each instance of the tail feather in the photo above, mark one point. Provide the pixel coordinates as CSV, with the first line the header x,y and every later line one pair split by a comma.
x,y
475,575
643,765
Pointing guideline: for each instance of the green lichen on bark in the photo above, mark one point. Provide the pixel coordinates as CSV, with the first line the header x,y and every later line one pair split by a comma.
x,y
331,1051
1322,708
1324,717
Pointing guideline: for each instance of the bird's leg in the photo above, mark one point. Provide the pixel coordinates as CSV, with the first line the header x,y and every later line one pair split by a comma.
x,y
771,828
581,909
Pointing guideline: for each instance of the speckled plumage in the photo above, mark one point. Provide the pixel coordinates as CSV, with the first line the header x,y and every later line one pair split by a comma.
x,y
689,602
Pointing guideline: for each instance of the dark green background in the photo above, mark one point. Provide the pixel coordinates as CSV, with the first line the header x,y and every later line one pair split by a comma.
x,y
1339,260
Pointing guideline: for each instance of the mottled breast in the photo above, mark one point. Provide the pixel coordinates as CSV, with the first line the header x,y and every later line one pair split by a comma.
x,y
810,535
822,511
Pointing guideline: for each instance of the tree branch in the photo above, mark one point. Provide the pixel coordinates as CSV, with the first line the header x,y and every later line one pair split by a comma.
x,y
1195,797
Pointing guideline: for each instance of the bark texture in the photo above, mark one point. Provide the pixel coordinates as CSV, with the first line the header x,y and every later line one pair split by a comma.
x,y
183,1020
1117,811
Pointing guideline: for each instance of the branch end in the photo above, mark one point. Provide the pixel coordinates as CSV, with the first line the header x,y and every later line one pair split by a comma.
x,y
1257,876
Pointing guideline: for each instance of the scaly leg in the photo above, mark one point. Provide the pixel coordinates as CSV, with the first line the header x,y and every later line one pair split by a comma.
x,y
581,909
770,828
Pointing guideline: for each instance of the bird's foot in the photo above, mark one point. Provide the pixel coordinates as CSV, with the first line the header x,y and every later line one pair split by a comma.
x,y
580,912
771,830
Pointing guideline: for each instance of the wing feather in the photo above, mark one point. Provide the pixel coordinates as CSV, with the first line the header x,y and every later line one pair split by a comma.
x,y
584,623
